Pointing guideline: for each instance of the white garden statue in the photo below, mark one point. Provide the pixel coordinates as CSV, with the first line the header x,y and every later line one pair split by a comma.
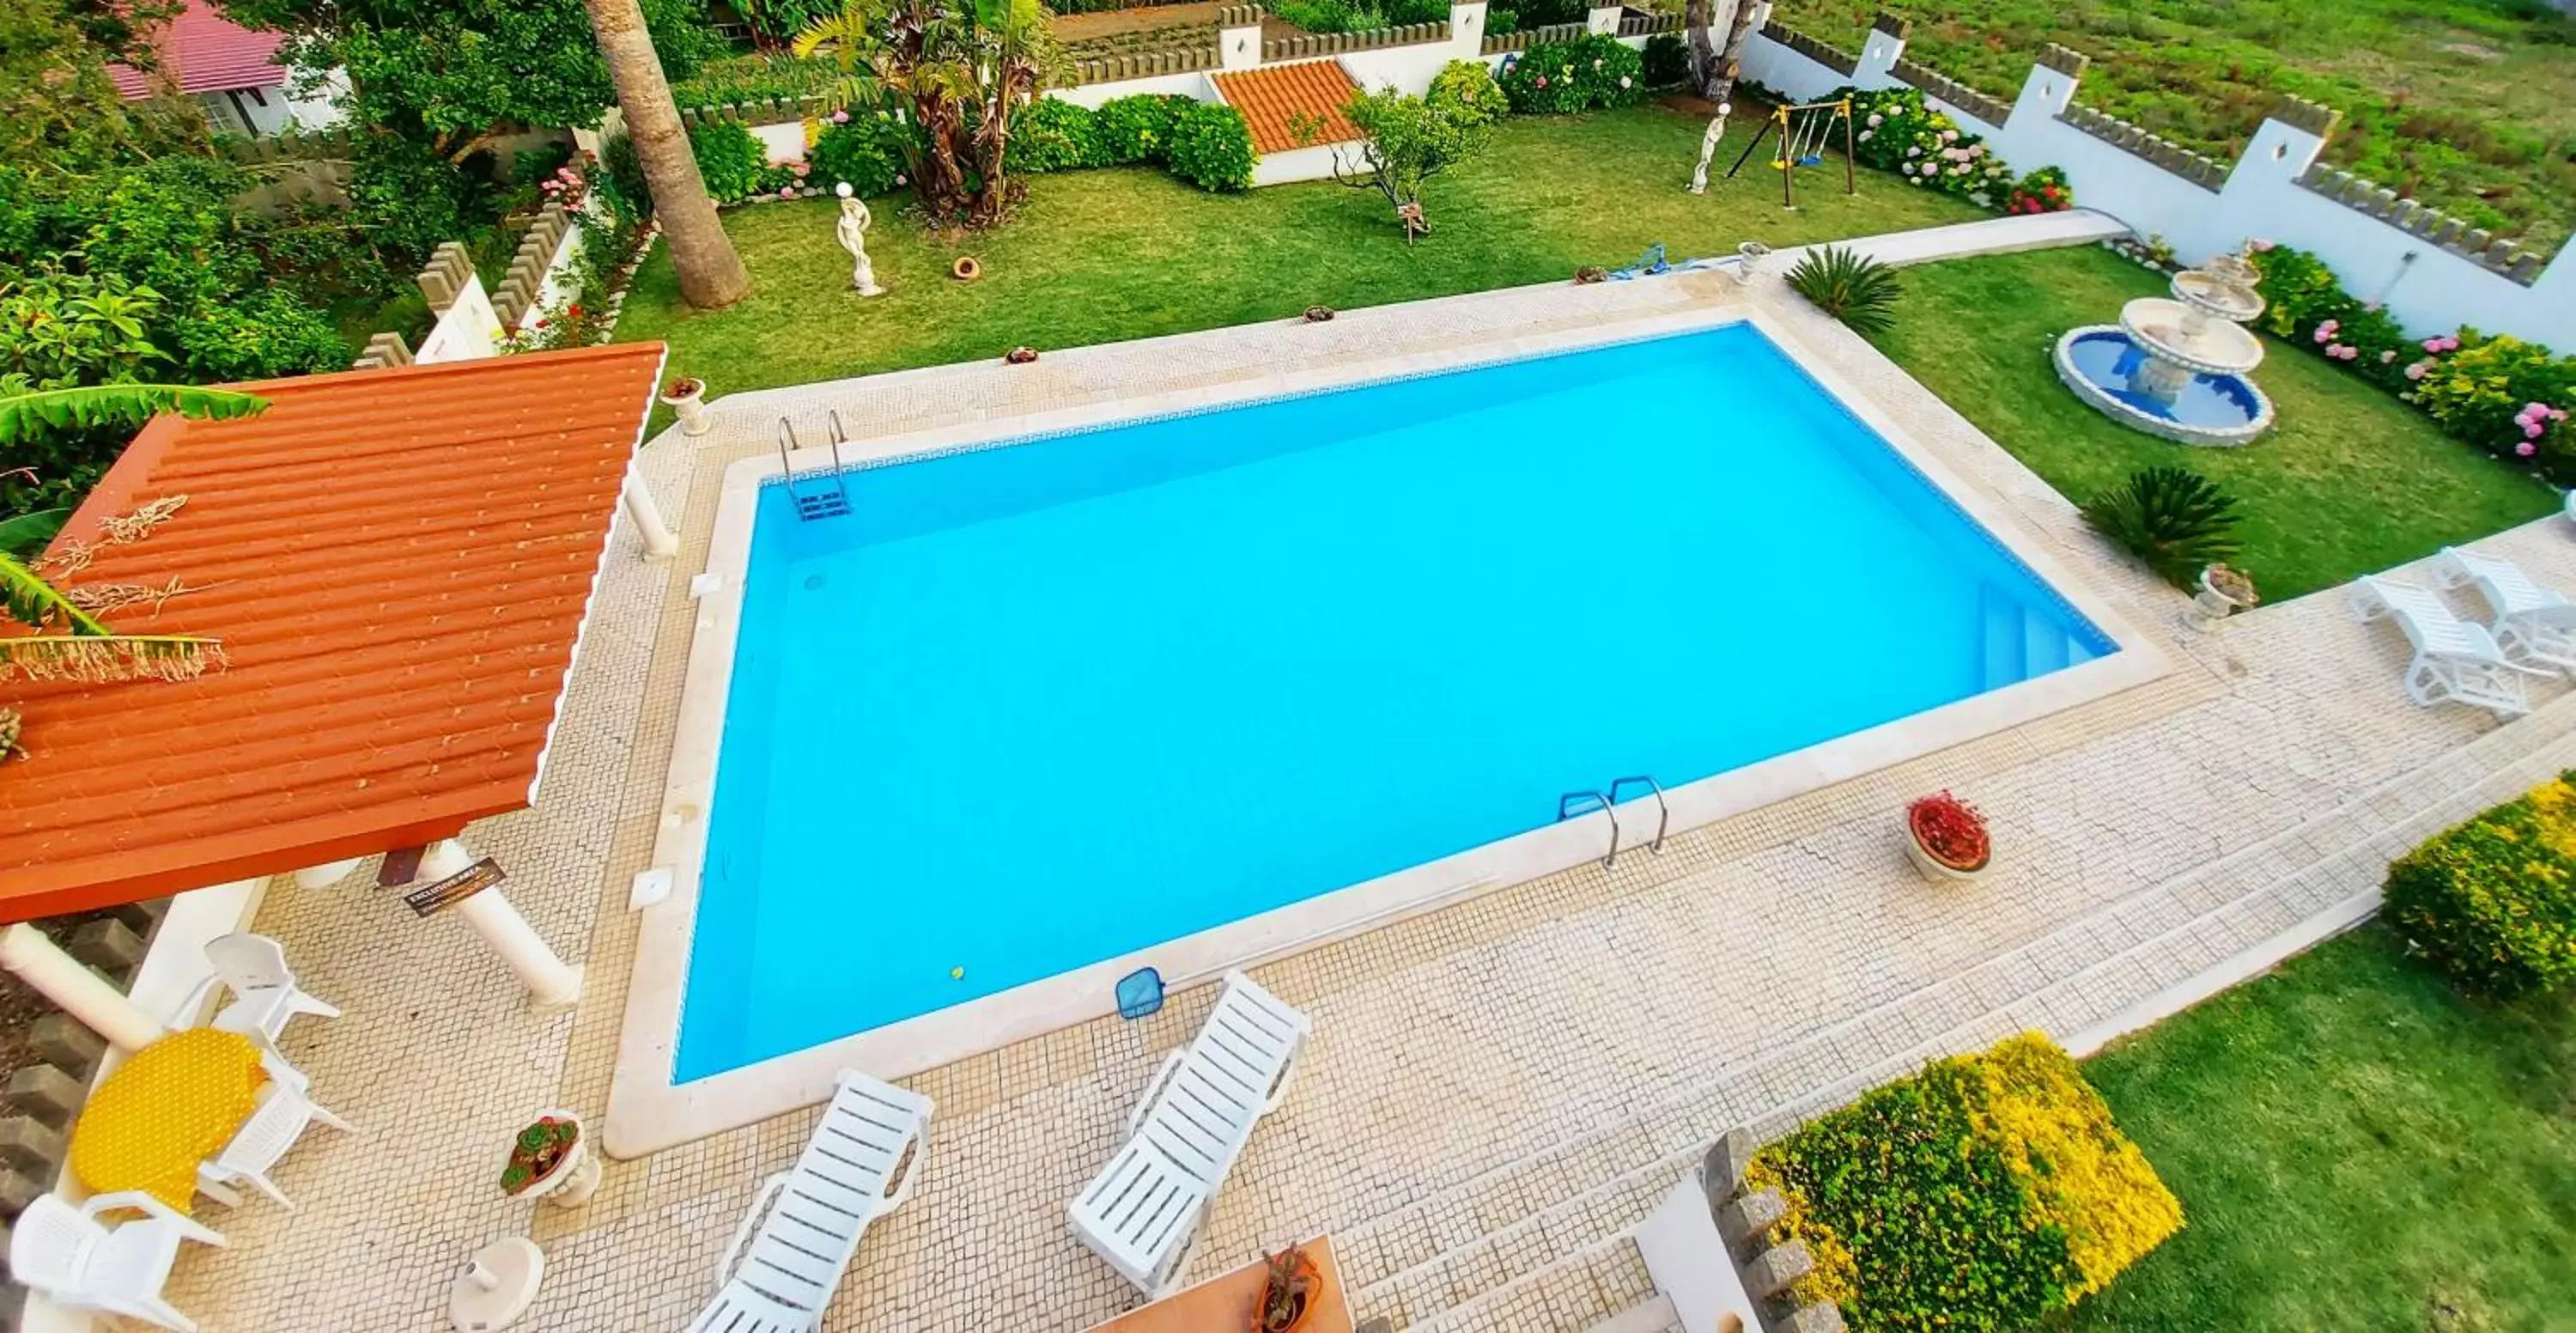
x,y
1708,148
853,234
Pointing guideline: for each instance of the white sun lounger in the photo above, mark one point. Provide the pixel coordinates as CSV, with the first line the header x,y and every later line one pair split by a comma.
x,y
2533,625
802,1230
1142,1212
2456,661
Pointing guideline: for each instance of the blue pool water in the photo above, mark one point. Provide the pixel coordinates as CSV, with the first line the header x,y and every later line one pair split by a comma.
x,y
1027,708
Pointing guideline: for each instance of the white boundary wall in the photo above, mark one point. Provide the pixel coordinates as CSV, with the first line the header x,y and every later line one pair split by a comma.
x,y
2433,273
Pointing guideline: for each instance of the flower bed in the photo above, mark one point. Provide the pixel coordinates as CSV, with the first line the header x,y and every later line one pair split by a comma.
x,y
2491,904
1978,1195
2506,396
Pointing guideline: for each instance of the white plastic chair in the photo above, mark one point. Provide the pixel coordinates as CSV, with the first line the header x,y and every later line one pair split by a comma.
x,y
263,1140
265,996
1142,1212
2456,661
804,1227
2532,624
81,1263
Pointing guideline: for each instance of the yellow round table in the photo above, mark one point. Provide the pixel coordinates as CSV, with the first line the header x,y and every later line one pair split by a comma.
x,y
171,1105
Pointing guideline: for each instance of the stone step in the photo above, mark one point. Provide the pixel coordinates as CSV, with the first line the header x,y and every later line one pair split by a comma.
x,y
1461,1249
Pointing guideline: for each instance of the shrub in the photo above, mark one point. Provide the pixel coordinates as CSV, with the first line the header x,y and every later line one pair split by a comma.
x,y
1593,70
1052,134
730,159
1410,140
1893,129
2042,191
1137,128
1359,15
1978,1195
1501,21
1851,287
1211,147
1464,94
2174,519
864,151
1666,60
2491,904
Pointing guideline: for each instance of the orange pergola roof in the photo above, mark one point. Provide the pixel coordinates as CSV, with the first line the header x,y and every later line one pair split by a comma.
x,y
398,563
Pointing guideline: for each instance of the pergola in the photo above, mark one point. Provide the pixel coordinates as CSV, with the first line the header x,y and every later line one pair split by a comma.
x,y
398,564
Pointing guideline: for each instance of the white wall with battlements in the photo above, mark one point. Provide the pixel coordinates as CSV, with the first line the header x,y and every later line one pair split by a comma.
x,y
2433,273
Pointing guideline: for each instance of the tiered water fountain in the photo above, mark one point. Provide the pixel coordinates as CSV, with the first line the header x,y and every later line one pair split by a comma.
x,y
2177,368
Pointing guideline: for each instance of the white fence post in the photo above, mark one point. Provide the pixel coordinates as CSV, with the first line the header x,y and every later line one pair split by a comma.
x,y
1879,54
1466,29
1602,19
1238,37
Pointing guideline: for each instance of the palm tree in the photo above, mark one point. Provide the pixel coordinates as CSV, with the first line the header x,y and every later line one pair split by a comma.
x,y
79,645
711,274
959,72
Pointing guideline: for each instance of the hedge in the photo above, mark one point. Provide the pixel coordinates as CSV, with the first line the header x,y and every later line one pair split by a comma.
x,y
2490,904
1594,70
1979,1195
2506,396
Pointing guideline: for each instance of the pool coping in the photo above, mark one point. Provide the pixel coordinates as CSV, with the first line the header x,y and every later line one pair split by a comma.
x,y
648,1112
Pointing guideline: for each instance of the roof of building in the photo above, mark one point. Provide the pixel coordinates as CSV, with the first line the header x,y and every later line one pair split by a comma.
x,y
215,55
398,563
1275,98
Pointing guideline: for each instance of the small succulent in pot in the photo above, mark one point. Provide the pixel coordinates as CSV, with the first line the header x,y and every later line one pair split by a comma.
x,y
1317,314
2225,591
683,386
1948,836
539,1149
1288,1292
1590,274
1020,356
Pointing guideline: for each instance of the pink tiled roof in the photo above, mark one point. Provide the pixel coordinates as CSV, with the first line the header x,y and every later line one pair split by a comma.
x,y
215,54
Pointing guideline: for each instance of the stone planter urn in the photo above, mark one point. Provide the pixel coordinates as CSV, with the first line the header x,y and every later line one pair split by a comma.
x,y
2222,593
1947,838
552,1159
687,397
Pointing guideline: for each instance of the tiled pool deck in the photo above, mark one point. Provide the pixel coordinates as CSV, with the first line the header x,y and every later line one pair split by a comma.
x,y
1496,1089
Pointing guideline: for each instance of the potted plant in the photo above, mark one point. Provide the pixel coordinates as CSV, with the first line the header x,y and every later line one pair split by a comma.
x,y
1288,1292
2224,592
551,1159
1947,838
686,396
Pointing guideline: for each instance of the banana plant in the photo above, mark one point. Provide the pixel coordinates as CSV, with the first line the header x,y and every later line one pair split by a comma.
x,y
70,643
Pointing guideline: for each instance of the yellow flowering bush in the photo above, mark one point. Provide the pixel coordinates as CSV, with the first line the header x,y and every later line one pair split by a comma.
x,y
1980,1194
2492,903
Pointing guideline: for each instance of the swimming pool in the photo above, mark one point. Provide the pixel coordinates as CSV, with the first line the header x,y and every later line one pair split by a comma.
x,y
1025,709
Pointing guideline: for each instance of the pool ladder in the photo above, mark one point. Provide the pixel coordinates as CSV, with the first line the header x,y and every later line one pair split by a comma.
x,y
1575,803
813,503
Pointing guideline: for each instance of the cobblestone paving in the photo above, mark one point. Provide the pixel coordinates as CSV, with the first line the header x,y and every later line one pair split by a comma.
x,y
1495,1089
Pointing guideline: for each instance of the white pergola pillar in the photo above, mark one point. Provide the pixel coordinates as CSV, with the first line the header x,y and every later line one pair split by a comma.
x,y
76,990
551,982
659,543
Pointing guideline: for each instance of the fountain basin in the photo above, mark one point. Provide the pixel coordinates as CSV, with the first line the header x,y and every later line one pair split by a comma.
x,y
2184,335
2210,407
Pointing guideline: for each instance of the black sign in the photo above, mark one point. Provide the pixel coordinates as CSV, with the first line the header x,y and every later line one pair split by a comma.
x,y
456,888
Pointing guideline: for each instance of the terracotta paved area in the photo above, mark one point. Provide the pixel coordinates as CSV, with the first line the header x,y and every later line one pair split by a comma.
x,y
1495,1089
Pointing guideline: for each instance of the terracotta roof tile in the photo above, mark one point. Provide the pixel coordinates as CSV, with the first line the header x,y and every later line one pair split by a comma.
x,y
215,55
1273,97
398,563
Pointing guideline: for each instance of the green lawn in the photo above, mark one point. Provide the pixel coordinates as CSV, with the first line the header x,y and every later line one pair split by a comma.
x,y
2350,481
1102,256
2469,105
2355,1149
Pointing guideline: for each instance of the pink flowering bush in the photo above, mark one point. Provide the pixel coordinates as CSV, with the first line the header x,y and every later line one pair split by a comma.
x,y
1895,130
2506,396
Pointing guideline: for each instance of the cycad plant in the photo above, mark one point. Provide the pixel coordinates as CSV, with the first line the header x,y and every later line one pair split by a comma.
x,y
2173,518
1851,287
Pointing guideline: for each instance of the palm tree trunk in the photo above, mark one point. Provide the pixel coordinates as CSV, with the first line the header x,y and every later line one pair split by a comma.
x,y
711,274
1738,31
1696,16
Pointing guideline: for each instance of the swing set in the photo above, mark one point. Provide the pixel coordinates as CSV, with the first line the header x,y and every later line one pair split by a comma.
x,y
1804,131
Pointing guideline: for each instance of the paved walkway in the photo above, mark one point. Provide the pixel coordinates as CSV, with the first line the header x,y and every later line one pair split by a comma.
x,y
1496,1089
